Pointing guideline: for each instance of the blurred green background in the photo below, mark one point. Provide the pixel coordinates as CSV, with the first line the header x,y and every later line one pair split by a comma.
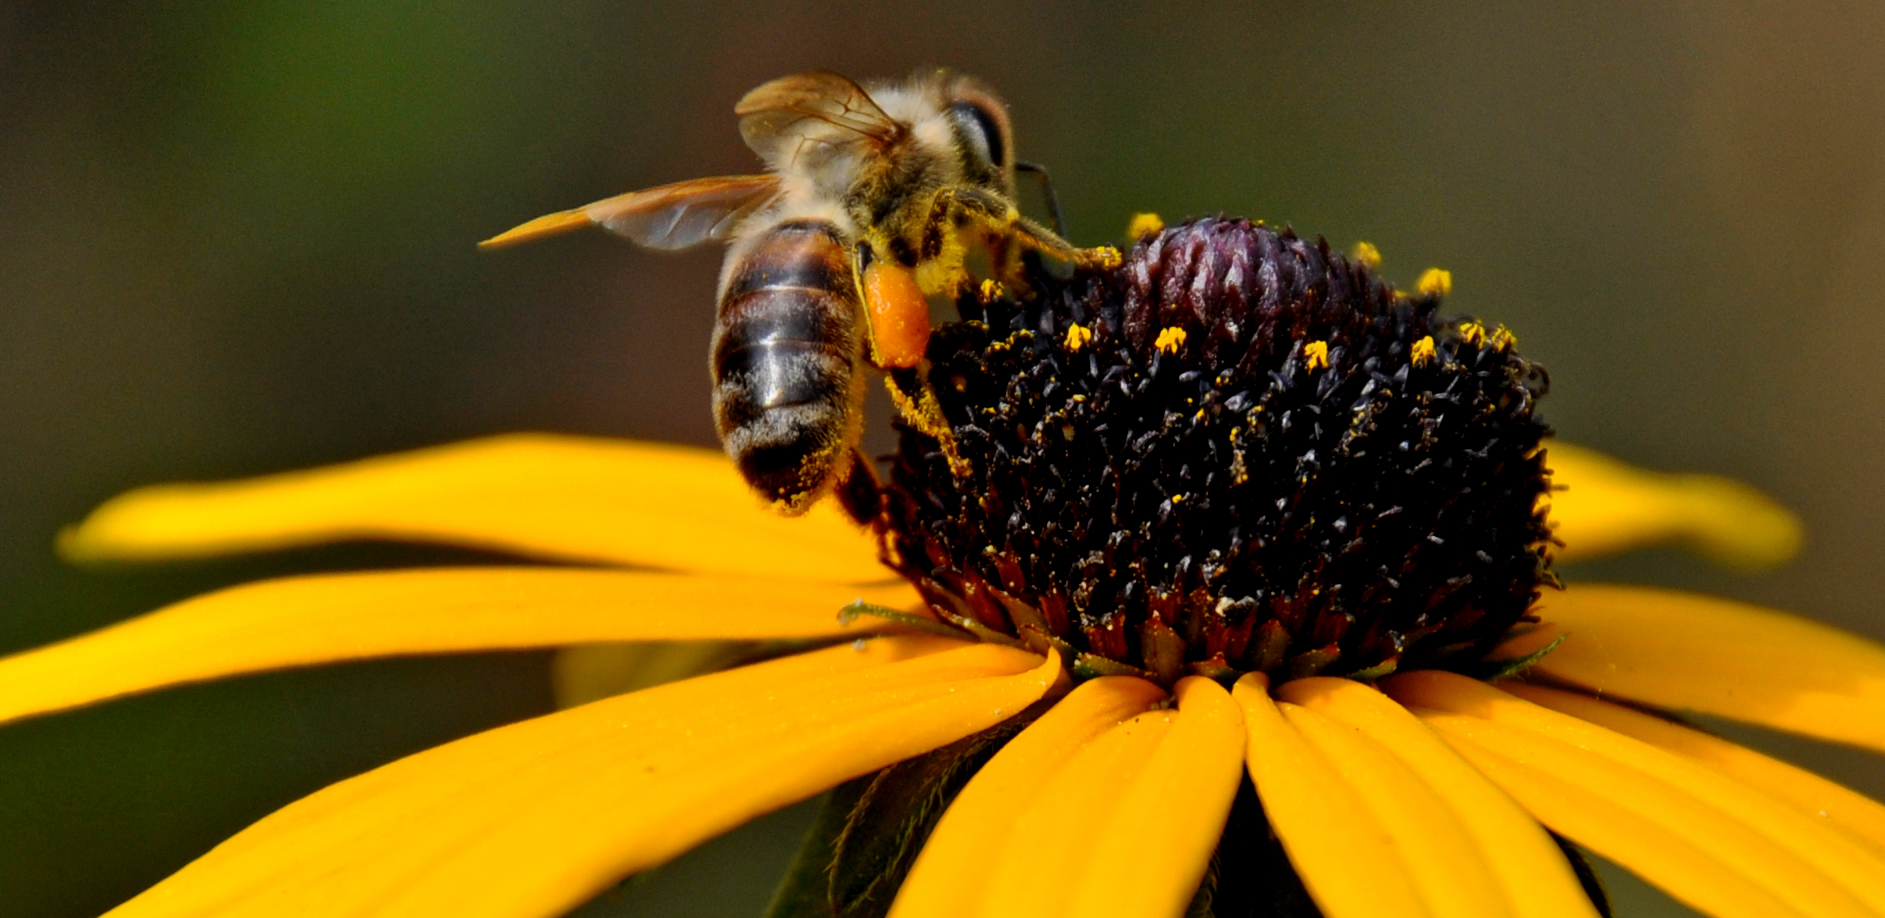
x,y
236,237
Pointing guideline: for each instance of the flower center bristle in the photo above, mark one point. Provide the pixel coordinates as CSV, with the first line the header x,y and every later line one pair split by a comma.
x,y
1235,451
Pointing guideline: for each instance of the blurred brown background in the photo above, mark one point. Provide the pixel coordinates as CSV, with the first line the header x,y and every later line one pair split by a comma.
x,y
237,237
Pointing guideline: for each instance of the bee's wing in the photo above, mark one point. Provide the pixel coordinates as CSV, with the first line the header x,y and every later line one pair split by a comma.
x,y
820,106
667,217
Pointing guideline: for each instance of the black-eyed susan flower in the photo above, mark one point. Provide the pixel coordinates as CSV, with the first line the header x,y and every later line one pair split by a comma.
x,y
1252,569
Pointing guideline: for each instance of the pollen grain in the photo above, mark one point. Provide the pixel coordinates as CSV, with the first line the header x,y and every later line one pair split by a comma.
x,y
1315,356
1367,254
1435,282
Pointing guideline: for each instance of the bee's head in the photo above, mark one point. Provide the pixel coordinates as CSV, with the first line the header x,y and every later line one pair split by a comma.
x,y
983,138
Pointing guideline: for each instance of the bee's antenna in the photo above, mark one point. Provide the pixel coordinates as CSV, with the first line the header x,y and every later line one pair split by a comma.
x,y
1047,192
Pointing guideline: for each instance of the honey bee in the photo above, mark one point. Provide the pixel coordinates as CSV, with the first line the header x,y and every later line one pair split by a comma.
x,y
874,200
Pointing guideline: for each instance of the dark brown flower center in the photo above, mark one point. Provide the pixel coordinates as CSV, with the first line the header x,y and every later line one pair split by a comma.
x,y
1235,451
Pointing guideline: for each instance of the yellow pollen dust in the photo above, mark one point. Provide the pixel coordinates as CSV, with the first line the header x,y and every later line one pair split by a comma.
x,y
1315,356
1144,225
1077,337
1106,258
1435,281
992,290
1502,339
1423,352
1473,333
1367,254
1170,340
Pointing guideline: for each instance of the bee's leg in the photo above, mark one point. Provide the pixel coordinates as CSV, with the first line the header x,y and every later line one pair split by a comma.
x,y
955,210
1047,193
859,492
917,402
897,322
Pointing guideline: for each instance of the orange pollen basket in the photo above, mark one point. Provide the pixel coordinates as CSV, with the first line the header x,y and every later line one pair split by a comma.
x,y
899,316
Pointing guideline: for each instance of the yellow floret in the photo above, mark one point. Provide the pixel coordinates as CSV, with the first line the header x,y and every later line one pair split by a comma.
x,y
1367,254
1435,281
1473,333
1423,352
1144,225
1315,356
1170,340
1077,337
1502,339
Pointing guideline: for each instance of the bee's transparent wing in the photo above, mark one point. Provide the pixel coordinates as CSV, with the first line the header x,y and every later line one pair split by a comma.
x,y
667,217
821,109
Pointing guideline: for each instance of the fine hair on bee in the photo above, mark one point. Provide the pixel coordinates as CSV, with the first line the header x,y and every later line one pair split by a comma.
x,y
874,198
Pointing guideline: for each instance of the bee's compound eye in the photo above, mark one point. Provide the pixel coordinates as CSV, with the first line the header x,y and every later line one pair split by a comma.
x,y
981,134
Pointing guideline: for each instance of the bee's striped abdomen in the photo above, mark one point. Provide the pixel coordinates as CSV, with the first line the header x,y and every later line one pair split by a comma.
x,y
786,363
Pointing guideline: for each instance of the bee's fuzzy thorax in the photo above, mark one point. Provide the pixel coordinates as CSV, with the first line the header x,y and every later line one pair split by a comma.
x,y
1235,451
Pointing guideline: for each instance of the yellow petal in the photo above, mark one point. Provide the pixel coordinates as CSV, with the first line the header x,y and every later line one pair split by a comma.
x,y
1608,507
1852,812
1152,853
1612,825
533,818
298,621
1790,854
1347,861
1448,871
1047,849
950,876
1537,881
536,494
1688,652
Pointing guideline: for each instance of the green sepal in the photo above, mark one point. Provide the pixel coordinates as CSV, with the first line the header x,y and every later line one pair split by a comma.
x,y
982,632
805,888
870,829
1494,670
1216,670
1380,670
1310,662
857,609
1087,666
